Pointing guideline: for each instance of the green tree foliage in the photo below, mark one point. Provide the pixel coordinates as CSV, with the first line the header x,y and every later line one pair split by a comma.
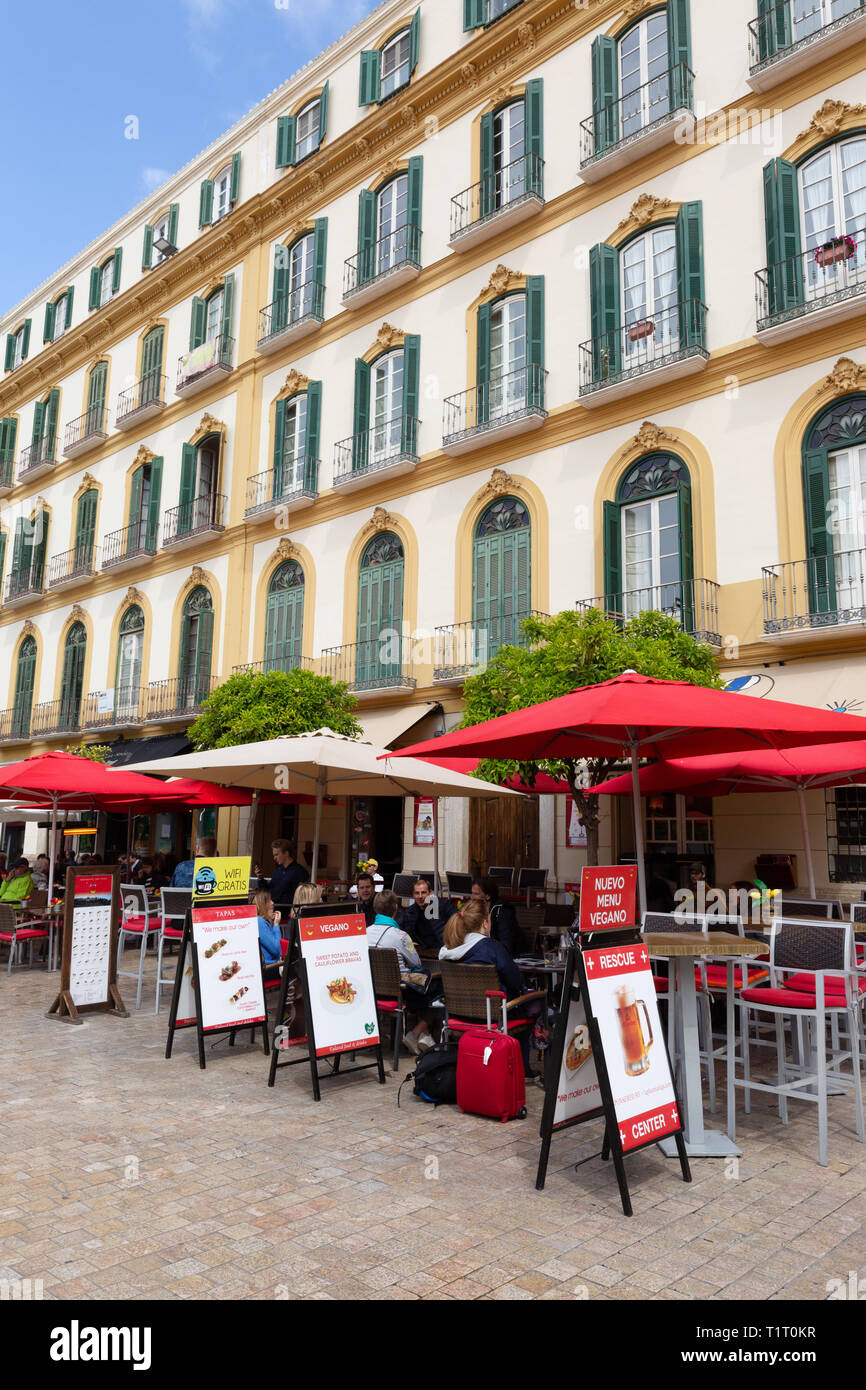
x,y
573,649
249,707
95,752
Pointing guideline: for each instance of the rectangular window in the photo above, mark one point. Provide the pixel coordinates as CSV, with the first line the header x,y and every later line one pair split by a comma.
x,y
395,64
60,317
507,357
509,148
106,282
221,194
307,130
295,447
651,557
214,316
18,357
387,390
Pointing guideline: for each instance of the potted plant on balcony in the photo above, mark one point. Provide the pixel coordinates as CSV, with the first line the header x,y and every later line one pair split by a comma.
x,y
643,328
840,248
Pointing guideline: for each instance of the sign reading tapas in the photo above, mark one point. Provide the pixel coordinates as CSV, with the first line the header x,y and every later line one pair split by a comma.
x,y
608,898
230,967
623,1001
215,880
341,998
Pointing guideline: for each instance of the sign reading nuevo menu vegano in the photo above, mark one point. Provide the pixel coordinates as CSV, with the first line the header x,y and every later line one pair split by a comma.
x,y
607,898
340,987
623,1001
229,966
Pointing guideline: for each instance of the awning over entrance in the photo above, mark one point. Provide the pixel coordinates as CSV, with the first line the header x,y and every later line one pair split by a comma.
x,y
385,726
142,750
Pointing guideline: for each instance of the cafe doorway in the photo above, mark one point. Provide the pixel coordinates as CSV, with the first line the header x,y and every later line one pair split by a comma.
x,y
503,831
376,832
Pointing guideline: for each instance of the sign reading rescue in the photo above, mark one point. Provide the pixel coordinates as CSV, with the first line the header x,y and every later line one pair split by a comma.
x,y
608,898
216,880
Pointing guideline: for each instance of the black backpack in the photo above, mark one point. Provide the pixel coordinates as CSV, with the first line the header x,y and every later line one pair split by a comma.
x,y
435,1076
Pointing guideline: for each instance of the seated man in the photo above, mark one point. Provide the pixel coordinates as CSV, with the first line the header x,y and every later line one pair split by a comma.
x,y
205,849
386,935
39,873
365,896
18,884
425,918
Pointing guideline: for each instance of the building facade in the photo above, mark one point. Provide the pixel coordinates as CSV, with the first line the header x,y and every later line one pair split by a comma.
x,y
494,308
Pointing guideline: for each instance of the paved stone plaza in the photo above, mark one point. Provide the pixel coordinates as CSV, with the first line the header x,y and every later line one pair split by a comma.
x,y
125,1176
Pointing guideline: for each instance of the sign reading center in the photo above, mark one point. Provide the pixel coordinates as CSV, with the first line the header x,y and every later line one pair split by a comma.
x,y
607,898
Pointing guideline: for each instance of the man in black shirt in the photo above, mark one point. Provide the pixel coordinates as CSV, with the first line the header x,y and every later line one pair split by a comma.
x,y
288,873
366,897
425,919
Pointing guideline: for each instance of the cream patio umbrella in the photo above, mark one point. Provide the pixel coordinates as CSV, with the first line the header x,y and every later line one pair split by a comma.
x,y
326,764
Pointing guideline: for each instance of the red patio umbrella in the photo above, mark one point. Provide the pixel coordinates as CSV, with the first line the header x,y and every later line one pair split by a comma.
x,y
543,785
639,717
766,769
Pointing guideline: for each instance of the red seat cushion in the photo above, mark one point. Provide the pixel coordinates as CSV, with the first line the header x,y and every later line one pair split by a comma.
x,y
804,981
661,984
786,999
28,933
387,1005
136,924
717,976
173,933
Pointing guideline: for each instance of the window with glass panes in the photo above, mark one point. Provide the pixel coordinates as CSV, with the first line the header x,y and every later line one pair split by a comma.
x,y
833,204
509,148
307,130
222,193
161,233
301,277
18,355
106,282
644,82
386,390
395,63
507,354
649,292
810,16
213,322
393,217
130,645
295,446
648,554
60,316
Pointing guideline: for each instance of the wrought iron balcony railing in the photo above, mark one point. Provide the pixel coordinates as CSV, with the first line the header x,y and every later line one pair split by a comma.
x,y
377,664
15,723
200,514
177,698
629,118
129,543
304,304
80,562
296,481
693,602
494,404
40,454
820,591
21,583
379,447
112,709
518,181
819,278
644,345
56,717
141,400
275,663
463,649
791,24
389,254
87,431
201,364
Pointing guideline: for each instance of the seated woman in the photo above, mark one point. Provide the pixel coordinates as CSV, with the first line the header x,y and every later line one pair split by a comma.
x,y
386,934
18,884
503,920
468,940
269,934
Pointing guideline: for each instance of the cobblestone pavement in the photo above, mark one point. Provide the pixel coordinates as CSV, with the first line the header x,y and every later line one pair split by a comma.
x,y
128,1176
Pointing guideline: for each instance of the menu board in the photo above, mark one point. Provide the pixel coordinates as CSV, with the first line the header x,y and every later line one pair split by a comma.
x,y
578,1092
425,821
608,897
90,947
341,999
231,988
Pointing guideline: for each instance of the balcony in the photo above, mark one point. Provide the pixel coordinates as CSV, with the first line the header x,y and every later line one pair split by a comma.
x,y
823,591
55,717
793,37
693,602
129,546
194,521
15,725
464,649
202,366
178,699
88,431
108,710
389,262
661,112
37,459
500,200
73,566
385,451
292,316
641,354
291,487
23,585
371,666
7,472
140,402
507,405
275,663
818,287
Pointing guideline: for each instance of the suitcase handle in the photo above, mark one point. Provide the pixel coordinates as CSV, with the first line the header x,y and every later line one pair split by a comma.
x,y
501,996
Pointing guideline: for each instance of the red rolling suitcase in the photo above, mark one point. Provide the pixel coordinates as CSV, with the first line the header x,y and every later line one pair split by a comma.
x,y
490,1078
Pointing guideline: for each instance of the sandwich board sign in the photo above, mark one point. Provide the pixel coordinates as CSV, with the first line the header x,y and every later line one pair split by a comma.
x,y
88,979
328,977
572,1093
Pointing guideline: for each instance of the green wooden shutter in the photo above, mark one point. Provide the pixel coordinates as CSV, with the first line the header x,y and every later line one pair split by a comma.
x,y
134,520
39,548
368,91
153,502
151,358
70,297
228,305
72,679
414,41
279,445
604,311
819,542
784,251
487,191
147,247
474,13
415,176
280,306
314,419
687,561
2,555
605,92
8,439
612,602
85,526
679,52
173,214
115,272
48,326
204,654
320,252
514,584
205,203
367,202
284,628
38,422
187,489
690,274
235,179
18,546
52,406
411,364
535,339
285,141
533,107
95,287
96,387
323,113
482,367
198,322
25,678
25,339
10,352
361,422
774,27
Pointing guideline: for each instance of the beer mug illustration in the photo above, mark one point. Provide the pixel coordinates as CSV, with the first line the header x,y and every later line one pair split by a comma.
x,y
635,1045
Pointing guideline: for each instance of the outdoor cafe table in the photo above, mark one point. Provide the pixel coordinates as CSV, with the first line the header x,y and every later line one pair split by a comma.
x,y
685,949
50,917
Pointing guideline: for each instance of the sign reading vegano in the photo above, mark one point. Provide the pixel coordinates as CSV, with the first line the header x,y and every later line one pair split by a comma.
x,y
608,898
341,999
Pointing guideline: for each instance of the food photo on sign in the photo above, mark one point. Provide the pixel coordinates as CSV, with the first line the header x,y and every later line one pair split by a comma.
x,y
578,1090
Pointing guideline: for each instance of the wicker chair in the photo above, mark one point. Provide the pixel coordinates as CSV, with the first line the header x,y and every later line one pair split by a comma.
x,y
530,920
466,990
14,934
388,989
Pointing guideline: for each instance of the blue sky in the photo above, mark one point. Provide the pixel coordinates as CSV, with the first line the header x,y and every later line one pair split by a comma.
x,y
187,69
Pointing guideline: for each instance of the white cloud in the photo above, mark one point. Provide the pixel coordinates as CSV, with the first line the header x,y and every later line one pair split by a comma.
x,y
152,178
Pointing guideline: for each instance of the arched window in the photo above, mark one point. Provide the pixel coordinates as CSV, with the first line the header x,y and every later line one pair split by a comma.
x,y
284,621
511,150
127,680
85,531
834,482
380,612
832,187
389,227
642,76
96,390
196,649
501,592
648,541
510,353
648,272
294,282
151,365
199,485
25,677
72,676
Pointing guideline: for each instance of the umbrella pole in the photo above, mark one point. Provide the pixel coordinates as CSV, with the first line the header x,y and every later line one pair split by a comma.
x,y
320,791
52,849
807,847
251,825
128,842
436,845
638,830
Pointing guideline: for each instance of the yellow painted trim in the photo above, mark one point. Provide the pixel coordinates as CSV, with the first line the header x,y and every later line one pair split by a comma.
x,y
634,11
216,169
386,174
269,568
510,282
502,97
526,491
313,94
132,599
388,340
392,31
647,212
406,533
831,122
77,615
13,664
196,579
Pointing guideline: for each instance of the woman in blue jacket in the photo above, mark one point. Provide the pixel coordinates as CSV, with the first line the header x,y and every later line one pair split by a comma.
x,y
468,939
